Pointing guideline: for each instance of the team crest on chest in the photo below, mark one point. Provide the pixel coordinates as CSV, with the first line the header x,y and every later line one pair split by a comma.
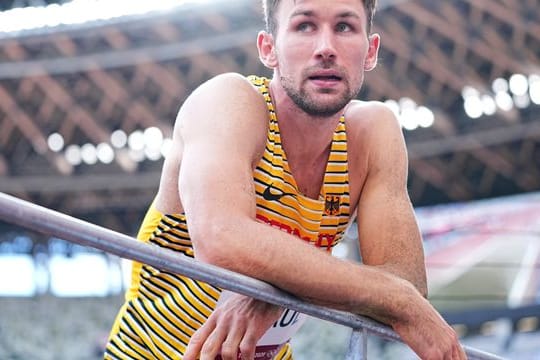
x,y
331,204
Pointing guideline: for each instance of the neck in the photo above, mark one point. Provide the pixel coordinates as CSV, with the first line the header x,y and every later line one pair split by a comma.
x,y
301,133
304,125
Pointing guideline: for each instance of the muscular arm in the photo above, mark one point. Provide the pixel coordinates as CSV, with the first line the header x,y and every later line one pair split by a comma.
x,y
223,132
388,233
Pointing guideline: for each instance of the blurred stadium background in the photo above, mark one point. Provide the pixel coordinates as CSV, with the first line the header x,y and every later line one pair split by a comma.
x,y
89,91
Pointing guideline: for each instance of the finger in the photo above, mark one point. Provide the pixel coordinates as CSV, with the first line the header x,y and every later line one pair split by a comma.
x,y
198,339
457,352
229,348
212,346
247,346
462,353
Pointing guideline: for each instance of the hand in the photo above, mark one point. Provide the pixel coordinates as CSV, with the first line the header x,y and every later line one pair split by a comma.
x,y
235,325
428,334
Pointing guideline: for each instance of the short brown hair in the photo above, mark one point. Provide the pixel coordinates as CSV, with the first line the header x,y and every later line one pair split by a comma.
x,y
270,6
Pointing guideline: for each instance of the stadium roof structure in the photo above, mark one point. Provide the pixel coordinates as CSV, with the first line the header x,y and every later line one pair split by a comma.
x,y
86,109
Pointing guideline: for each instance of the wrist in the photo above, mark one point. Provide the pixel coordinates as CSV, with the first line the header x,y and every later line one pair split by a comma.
x,y
405,304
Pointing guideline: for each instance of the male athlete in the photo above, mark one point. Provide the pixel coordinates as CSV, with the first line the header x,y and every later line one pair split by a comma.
x,y
267,175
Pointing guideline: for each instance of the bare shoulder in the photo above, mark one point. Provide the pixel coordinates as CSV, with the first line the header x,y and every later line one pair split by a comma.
x,y
228,84
225,107
229,92
371,127
371,118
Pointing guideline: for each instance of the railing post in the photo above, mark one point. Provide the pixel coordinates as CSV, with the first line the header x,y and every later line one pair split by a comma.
x,y
357,345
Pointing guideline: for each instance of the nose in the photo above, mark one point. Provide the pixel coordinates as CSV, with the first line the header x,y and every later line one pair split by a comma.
x,y
325,48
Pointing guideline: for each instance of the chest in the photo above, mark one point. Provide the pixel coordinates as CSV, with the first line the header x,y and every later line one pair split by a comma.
x,y
309,174
312,207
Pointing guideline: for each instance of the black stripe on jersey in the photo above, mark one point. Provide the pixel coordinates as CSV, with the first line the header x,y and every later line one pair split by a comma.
x,y
271,161
170,218
270,178
180,279
150,291
188,287
174,311
124,340
149,329
264,171
341,163
129,335
158,283
167,318
182,249
335,183
337,173
272,142
273,132
159,323
288,173
171,238
339,152
162,242
178,232
199,285
176,316
115,352
268,151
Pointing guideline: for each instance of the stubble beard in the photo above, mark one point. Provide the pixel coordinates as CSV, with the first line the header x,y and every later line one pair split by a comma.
x,y
307,103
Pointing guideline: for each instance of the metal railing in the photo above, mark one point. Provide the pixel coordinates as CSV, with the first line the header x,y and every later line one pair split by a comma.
x,y
50,222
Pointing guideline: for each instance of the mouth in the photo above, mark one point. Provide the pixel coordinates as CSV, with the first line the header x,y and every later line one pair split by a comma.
x,y
325,78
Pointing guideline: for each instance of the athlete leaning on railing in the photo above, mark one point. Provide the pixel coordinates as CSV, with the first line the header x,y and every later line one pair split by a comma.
x,y
266,173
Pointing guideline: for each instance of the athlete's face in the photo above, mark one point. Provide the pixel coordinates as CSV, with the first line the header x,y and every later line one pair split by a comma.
x,y
320,52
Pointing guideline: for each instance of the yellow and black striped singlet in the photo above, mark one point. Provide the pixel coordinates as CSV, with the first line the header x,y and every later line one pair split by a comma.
x,y
163,310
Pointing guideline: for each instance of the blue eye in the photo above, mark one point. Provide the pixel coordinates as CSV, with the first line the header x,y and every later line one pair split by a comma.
x,y
343,27
304,27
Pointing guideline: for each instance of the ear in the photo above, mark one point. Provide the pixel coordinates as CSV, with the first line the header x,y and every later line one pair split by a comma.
x,y
373,52
267,53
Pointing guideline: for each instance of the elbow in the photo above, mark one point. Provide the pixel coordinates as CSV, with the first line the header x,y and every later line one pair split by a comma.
x,y
225,244
211,242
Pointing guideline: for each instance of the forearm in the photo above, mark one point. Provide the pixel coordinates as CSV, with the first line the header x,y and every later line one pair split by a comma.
x,y
303,270
395,246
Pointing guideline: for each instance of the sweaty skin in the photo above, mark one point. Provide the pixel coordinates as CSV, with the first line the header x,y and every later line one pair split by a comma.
x,y
318,54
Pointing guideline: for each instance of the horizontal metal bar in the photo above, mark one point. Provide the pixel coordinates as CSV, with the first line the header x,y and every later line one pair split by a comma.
x,y
50,222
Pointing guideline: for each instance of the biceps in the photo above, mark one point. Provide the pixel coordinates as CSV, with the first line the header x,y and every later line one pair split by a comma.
x,y
211,180
389,237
